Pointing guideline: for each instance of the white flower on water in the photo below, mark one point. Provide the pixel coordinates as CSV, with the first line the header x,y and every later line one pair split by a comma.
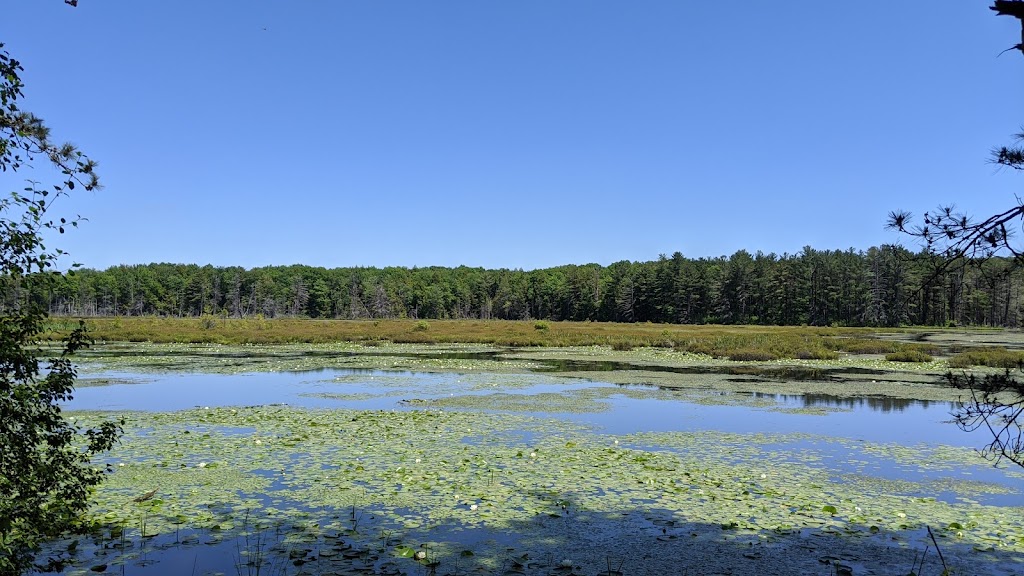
x,y
418,460
857,509
566,563
533,454
763,476
473,506
202,464
121,464
902,515
420,555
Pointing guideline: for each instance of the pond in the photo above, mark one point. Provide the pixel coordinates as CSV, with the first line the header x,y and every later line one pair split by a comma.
x,y
364,470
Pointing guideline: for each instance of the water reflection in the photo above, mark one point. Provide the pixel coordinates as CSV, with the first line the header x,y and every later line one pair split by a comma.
x,y
752,372
872,420
873,403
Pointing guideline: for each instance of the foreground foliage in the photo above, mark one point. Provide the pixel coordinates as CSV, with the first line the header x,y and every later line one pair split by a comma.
x,y
995,404
45,471
963,244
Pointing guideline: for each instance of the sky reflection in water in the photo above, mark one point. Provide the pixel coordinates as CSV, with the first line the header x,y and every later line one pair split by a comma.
x,y
855,420
870,419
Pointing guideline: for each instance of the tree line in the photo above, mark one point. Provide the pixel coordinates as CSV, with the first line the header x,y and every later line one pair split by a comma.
x,y
882,286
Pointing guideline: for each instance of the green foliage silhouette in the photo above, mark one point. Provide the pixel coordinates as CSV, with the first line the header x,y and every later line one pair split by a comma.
x,y
46,473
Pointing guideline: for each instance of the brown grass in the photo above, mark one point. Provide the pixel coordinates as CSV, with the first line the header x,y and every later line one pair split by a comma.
x,y
736,342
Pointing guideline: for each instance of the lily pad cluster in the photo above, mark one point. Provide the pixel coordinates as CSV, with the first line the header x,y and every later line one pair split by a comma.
x,y
496,484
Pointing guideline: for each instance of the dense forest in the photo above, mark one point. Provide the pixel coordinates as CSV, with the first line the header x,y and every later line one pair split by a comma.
x,y
882,286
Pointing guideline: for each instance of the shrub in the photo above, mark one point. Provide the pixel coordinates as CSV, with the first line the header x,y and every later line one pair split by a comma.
x,y
908,356
751,355
816,354
863,345
877,346
421,326
541,325
623,346
996,357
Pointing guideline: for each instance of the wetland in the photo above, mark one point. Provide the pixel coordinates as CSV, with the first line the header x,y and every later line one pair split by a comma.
x,y
418,458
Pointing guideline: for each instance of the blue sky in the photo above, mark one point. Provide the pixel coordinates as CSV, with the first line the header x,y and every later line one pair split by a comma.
x,y
520,134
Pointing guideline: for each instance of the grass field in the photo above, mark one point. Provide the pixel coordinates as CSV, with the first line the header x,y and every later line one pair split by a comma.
x,y
753,343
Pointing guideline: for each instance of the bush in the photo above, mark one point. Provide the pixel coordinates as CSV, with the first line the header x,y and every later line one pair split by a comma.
x,y
541,325
877,346
623,346
863,345
421,326
908,356
816,354
695,347
751,355
996,357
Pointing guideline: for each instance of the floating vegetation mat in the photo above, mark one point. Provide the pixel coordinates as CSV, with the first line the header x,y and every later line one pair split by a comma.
x,y
233,359
651,356
914,387
483,367
280,490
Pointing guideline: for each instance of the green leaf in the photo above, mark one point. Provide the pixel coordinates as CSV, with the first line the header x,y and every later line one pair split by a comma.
x,y
404,552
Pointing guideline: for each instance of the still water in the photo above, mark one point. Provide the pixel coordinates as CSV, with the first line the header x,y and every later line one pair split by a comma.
x,y
833,432
871,419
847,437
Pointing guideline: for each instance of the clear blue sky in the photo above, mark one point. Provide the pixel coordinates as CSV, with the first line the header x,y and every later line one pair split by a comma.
x,y
520,134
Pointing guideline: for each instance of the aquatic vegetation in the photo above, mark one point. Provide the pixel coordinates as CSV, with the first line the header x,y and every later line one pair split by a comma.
x,y
841,385
488,466
572,402
93,382
458,479
216,358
